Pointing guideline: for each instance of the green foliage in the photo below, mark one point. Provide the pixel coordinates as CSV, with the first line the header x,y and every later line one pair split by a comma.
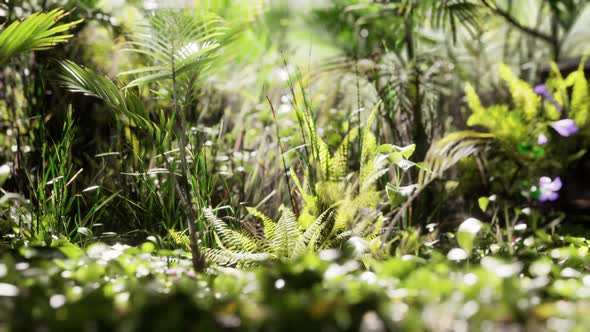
x,y
285,239
370,237
141,288
518,127
37,32
176,45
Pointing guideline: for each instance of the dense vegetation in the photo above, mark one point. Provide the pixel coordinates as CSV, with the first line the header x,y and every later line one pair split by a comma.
x,y
285,165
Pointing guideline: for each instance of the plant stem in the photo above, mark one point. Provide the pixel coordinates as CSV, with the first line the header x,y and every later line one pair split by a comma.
x,y
506,15
419,133
199,262
282,157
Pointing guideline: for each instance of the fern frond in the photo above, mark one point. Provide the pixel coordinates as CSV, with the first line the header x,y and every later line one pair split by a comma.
x,y
226,257
325,162
498,119
523,96
310,201
315,234
229,238
368,145
580,100
373,230
179,238
287,234
340,157
268,224
338,239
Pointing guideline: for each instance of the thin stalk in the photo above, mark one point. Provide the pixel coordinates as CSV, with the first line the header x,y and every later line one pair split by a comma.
x,y
419,134
199,263
282,155
310,169
506,15
555,48
358,112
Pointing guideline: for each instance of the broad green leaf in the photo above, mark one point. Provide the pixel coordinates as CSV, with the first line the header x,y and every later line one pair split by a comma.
x,y
483,203
467,234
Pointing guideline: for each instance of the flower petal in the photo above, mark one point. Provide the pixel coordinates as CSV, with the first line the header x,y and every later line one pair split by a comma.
x,y
544,181
542,90
548,195
556,184
542,139
565,127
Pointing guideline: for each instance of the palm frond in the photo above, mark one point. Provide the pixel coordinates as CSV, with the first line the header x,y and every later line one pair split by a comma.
x,y
37,32
455,13
448,151
174,44
86,81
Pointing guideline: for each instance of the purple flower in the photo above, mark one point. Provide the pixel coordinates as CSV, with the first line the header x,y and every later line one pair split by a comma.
x,y
542,91
565,127
542,139
548,189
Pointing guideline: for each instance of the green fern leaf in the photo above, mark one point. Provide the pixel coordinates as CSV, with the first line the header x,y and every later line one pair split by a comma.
x,y
580,101
315,234
287,234
523,96
229,238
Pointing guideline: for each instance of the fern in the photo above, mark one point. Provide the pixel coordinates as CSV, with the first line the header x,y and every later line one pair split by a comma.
x,y
287,238
311,239
340,157
524,98
240,258
287,233
580,100
498,119
368,148
229,238
179,238
269,226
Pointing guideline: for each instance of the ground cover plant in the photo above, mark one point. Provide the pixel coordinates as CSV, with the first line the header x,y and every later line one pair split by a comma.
x,y
283,165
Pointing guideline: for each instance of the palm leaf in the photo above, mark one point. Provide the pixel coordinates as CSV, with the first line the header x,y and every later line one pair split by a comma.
x,y
86,81
175,44
37,32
